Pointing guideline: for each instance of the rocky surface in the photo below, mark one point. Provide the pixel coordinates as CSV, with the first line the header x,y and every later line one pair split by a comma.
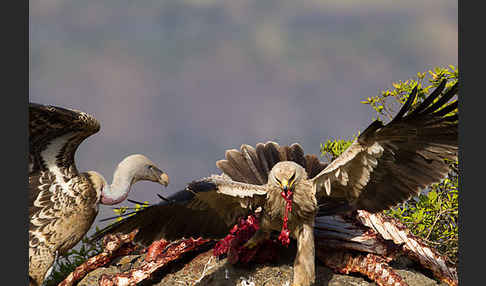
x,y
202,268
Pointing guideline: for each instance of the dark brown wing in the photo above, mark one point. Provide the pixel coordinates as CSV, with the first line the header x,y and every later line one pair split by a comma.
x,y
206,208
169,221
54,135
387,164
230,199
252,165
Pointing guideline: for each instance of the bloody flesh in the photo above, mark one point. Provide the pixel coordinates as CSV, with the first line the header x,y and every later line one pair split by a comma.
x,y
284,234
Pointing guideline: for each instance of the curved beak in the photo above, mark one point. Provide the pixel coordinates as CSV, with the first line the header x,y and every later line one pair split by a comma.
x,y
285,185
162,177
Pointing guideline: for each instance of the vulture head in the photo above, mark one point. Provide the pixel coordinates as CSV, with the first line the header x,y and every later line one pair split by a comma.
x,y
130,170
143,169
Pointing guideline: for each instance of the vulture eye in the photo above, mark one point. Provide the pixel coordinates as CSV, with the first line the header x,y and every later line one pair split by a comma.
x,y
278,181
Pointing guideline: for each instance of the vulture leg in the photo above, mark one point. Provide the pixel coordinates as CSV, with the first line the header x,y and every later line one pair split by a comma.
x,y
304,267
39,264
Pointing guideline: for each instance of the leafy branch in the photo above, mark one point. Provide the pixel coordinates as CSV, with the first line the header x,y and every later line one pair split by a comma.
x,y
433,214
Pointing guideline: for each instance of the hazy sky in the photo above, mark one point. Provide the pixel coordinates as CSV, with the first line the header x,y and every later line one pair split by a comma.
x,y
183,81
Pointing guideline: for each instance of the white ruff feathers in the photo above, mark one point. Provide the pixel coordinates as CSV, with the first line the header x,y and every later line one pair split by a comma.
x,y
49,157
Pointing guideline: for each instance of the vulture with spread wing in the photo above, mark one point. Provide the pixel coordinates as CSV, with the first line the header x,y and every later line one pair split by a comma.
x,y
385,165
62,201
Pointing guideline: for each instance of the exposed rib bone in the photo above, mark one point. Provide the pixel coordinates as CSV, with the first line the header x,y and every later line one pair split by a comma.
x,y
373,266
114,246
415,247
173,251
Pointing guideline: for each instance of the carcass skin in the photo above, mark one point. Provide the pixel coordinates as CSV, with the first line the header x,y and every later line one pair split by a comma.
x,y
361,243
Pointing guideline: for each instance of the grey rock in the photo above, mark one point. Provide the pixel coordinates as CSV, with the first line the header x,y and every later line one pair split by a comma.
x,y
204,269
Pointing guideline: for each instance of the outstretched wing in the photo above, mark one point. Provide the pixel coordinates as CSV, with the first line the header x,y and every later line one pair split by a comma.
x,y
387,164
230,199
211,206
206,208
54,135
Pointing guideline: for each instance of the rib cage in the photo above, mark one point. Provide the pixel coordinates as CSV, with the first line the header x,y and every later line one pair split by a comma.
x,y
415,247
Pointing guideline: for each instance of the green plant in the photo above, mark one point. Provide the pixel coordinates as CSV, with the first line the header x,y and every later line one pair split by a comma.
x,y
432,215
388,101
332,148
73,258
121,211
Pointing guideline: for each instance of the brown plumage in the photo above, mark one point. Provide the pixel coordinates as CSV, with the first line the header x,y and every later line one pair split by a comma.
x,y
385,165
63,203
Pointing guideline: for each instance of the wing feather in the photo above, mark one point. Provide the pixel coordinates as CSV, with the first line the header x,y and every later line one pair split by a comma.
x,y
169,221
252,165
54,135
66,127
388,164
206,208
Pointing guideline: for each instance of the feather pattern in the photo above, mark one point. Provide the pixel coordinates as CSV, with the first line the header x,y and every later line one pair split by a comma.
x,y
262,159
388,164
213,204
63,203
56,189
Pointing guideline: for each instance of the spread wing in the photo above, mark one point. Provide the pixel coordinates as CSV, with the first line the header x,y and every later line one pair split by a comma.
x,y
243,184
206,208
211,206
54,135
230,199
387,164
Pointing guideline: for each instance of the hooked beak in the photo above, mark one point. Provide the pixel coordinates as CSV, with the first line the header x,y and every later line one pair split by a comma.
x,y
162,177
285,186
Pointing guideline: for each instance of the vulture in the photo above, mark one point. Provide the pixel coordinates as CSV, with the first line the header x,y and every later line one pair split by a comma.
x,y
63,202
384,166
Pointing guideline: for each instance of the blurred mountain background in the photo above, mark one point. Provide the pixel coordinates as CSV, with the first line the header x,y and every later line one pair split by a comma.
x,y
183,81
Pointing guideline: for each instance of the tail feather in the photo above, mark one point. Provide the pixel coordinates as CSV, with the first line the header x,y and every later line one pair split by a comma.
x,y
296,154
255,165
252,165
271,153
260,149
